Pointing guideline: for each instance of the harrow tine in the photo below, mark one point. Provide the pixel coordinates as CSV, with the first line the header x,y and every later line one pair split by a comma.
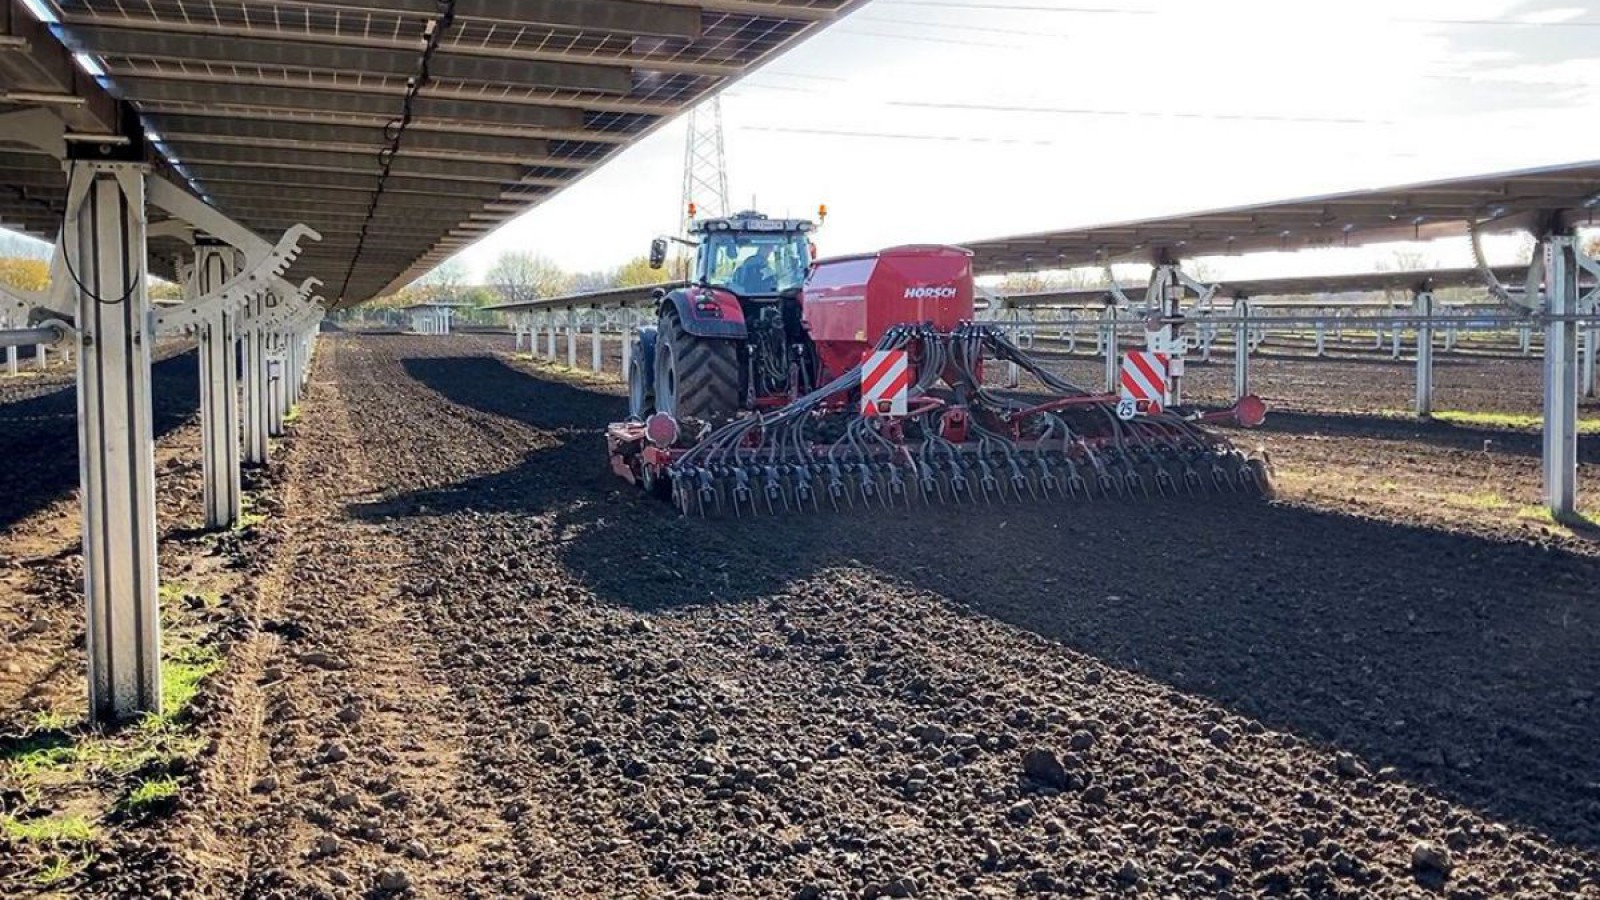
x,y
1164,483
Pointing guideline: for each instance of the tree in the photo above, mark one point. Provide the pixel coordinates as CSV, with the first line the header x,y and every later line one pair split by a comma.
x,y
159,289
587,282
25,274
1591,245
445,281
1018,283
636,272
520,276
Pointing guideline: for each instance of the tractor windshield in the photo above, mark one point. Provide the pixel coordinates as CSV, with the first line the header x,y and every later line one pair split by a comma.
x,y
754,264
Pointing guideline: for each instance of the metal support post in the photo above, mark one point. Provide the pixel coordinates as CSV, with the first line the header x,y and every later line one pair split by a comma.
x,y
572,343
1424,307
11,361
627,344
594,347
254,378
1108,344
1561,377
1321,339
293,339
104,242
1394,352
277,385
1590,333
1527,340
1013,371
219,392
1241,350
550,340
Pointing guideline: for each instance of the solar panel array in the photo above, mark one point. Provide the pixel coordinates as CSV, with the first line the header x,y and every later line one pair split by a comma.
x,y
276,110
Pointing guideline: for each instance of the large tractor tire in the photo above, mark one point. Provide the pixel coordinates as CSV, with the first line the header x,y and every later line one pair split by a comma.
x,y
696,377
641,393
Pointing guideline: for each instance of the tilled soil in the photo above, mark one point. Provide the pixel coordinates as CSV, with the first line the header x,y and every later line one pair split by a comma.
x,y
207,585
486,669
1286,373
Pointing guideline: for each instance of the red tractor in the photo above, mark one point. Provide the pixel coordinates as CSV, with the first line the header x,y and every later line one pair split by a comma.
x,y
772,383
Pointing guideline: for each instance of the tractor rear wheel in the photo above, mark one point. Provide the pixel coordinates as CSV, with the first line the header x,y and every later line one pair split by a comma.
x,y
641,394
696,377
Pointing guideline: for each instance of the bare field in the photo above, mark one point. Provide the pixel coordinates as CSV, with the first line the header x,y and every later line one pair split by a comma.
x,y
454,658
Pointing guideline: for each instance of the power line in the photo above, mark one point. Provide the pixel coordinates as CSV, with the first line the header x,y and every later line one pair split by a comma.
x,y
1021,32
923,39
1141,114
899,136
1020,7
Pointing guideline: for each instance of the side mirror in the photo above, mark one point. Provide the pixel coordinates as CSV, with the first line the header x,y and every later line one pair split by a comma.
x,y
658,253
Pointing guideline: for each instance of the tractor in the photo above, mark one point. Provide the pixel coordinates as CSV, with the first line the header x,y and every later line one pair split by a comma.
x,y
773,382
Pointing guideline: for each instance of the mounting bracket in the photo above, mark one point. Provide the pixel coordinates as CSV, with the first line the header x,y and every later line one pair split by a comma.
x,y
259,271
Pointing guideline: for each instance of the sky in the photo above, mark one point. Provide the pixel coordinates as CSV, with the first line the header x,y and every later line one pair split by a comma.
x,y
954,120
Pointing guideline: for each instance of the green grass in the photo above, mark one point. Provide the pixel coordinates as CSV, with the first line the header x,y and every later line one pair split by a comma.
x,y
293,416
151,794
1481,500
42,756
64,830
60,869
249,516
53,720
1507,420
173,593
181,673
1543,514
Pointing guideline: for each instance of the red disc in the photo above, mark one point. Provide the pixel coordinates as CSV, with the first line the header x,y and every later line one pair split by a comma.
x,y
1250,411
661,430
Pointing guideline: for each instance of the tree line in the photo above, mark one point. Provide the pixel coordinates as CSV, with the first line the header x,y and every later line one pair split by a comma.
x,y
517,276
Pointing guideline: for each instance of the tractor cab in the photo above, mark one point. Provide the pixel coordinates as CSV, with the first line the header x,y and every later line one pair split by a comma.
x,y
747,254
753,256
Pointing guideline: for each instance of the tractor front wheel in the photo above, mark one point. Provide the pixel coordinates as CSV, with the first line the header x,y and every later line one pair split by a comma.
x,y
696,377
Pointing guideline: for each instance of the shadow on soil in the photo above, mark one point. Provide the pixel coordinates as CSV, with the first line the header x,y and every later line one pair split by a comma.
x,y
1465,664
1435,432
39,436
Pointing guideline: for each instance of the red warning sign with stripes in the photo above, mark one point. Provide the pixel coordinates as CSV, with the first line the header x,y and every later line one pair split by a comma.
x,y
885,383
1144,379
